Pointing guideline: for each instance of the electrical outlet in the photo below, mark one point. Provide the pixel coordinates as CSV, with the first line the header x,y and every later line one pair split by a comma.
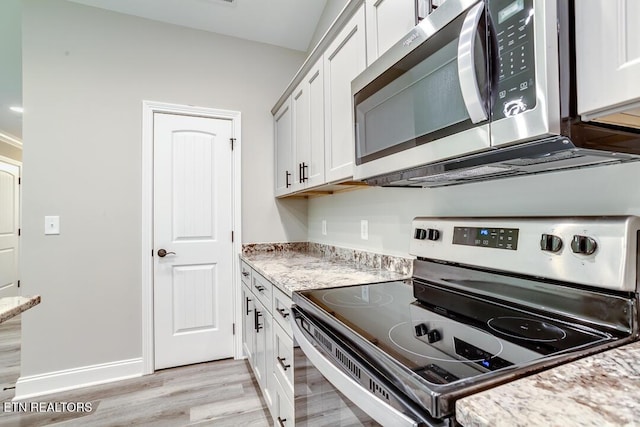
x,y
324,227
364,229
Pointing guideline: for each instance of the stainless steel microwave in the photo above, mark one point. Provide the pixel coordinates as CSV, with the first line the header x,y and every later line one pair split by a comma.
x,y
479,90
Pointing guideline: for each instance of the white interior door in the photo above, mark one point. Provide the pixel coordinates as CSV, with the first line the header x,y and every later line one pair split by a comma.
x,y
193,293
9,225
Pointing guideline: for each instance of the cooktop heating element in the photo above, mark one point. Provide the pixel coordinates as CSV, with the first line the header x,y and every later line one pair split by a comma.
x,y
475,315
526,329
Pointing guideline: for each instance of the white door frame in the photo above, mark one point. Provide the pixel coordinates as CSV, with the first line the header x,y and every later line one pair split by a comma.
x,y
17,163
149,108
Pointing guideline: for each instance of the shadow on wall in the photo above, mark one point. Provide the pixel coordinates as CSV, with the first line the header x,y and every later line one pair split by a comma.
x,y
293,216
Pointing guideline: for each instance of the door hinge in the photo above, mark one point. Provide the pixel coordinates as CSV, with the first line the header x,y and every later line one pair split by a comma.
x,y
18,283
152,253
233,141
234,326
19,180
232,236
19,231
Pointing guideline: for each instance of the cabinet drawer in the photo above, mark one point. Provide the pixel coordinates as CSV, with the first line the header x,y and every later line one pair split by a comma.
x,y
282,310
262,288
283,412
283,359
245,273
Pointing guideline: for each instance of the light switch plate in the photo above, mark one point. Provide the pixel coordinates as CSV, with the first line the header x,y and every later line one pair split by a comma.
x,y
51,225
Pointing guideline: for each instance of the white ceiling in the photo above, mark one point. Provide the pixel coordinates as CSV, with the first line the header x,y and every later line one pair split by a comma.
x,y
286,23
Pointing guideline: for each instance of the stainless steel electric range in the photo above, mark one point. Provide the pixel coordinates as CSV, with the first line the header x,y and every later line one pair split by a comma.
x,y
490,300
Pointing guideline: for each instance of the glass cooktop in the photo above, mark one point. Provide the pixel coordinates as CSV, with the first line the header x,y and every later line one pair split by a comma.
x,y
449,336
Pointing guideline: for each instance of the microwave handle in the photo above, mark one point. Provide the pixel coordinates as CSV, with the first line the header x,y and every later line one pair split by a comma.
x,y
466,65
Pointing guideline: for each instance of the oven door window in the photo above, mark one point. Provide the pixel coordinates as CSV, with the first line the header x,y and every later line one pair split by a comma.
x,y
429,94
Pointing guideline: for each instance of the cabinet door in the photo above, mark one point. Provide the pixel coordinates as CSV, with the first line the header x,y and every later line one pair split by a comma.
x,y
301,134
308,128
283,359
283,415
283,150
248,324
387,22
344,59
263,366
607,55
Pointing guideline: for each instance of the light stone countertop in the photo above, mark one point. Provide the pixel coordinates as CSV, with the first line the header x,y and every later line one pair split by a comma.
x,y
12,306
600,390
294,271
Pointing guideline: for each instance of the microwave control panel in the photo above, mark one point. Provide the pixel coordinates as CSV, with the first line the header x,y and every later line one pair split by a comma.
x,y
512,22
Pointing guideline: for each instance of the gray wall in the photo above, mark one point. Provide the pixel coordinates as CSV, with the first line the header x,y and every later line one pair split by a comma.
x,y
597,191
85,73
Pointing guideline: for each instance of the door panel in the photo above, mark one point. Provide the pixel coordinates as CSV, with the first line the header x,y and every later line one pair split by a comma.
x,y
9,225
344,59
191,286
193,316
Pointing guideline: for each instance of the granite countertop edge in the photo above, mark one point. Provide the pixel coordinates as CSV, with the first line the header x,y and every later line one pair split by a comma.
x,y
12,306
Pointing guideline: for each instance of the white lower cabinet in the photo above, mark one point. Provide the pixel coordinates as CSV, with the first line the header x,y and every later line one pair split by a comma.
x,y
268,344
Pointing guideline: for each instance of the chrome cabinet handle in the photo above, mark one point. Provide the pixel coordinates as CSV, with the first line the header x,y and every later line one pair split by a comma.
x,y
282,312
163,253
467,66
281,362
281,421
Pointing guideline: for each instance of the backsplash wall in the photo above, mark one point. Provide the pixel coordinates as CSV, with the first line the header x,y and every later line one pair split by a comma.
x,y
612,190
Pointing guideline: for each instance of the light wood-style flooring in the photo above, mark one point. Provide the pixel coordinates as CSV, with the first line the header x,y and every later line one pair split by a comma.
x,y
221,393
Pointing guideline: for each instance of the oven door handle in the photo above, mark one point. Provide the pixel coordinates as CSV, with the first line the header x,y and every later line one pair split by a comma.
x,y
371,405
467,65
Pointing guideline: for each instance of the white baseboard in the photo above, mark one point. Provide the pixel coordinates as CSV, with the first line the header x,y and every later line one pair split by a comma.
x,y
69,379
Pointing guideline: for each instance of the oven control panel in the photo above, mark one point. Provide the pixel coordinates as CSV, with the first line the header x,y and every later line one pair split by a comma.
x,y
486,237
592,251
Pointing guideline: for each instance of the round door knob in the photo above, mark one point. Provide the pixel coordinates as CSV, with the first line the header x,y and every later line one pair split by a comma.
x,y
163,253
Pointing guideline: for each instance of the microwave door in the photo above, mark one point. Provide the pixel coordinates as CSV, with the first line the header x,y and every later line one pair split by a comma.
x,y
526,84
430,105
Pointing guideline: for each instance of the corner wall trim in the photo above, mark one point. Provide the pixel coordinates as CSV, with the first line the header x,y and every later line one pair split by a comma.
x,y
69,379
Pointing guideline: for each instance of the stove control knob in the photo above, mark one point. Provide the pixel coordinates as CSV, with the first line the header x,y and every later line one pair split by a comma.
x,y
433,336
433,234
421,329
420,234
583,245
550,243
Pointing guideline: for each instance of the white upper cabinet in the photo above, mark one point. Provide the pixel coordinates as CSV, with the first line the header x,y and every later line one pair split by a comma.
x,y
344,59
607,57
284,149
387,22
307,103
